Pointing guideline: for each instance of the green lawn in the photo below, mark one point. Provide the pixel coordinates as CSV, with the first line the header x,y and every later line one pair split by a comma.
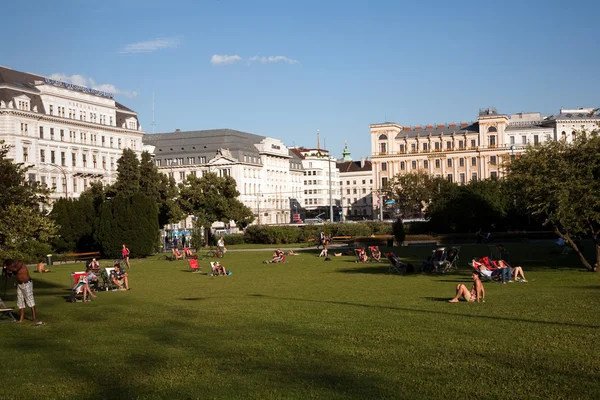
x,y
311,329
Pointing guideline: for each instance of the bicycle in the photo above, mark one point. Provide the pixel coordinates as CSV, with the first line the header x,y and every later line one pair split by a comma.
x,y
214,252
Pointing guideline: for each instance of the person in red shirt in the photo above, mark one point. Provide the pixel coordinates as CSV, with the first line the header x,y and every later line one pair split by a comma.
x,y
125,256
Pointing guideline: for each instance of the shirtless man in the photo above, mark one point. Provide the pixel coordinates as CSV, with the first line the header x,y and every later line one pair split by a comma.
x,y
24,288
477,291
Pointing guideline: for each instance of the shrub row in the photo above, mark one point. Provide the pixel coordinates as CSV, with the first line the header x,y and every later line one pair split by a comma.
x,y
298,234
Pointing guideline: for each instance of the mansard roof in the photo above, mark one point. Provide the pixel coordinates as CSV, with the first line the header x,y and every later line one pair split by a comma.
x,y
437,130
354,166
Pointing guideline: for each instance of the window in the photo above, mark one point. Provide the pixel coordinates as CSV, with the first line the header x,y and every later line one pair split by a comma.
x,y
354,182
181,175
63,159
474,176
364,191
73,159
364,181
62,135
413,165
473,143
462,178
354,191
524,139
494,174
111,142
384,181
461,162
41,132
84,160
383,137
202,160
461,144
383,147
75,184
23,129
94,161
191,160
402,165
53,183
449,145
437,146
384,166
119,143
51,133
493,160
492,140
51,109
425,164
536,140
402,149
25,154
43,181
450,162
413,147
474,161
425,146
512,140
347,191
104,162
449,177
348,183
437,163
52,157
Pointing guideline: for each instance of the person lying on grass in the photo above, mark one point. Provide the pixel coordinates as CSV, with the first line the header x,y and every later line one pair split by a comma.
x,y
278,256
477,292
516,271
292,253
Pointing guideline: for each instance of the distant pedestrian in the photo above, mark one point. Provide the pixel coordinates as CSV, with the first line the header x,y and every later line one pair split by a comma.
x,y
125,256
183,240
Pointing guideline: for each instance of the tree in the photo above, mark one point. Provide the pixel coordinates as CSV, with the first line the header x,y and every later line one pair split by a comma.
x,y
411,191
161,188
128,168
212,198
560,182
25,230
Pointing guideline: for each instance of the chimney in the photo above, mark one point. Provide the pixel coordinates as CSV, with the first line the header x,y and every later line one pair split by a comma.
x,y
464,124
418,128
177,130
428,126
407,128
441,126
452,125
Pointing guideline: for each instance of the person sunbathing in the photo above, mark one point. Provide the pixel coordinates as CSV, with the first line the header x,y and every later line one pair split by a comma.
x,y
187,253
177,254
84,287
41,268
376,254
219,269
324,252
516,271
362,255
278,256
291,253
477,292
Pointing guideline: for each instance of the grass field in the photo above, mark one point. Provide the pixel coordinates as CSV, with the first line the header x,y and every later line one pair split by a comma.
x,y
311,329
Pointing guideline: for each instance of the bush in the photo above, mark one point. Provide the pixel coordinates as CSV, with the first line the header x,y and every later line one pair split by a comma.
x,y
29,252
234,239
398,231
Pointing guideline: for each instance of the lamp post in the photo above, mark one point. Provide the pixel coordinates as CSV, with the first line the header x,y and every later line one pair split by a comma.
x,y
330,194
64,178
258,196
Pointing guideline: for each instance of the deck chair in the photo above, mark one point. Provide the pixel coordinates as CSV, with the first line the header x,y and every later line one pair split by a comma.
x,y
451,260
194,266
374,254
107,282
6,312
486,269
433,263
361,256
77,285
397,266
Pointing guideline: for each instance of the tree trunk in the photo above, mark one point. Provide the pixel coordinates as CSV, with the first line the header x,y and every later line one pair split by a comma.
x,y
567,238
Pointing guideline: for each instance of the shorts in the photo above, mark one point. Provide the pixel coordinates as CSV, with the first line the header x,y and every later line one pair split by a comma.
x,y
25,295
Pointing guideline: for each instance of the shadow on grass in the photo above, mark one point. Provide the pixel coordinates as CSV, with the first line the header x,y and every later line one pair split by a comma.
x,y
442,299
372,271
346,303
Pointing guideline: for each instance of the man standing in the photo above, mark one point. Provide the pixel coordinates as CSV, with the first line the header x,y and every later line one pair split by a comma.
x,y
24,289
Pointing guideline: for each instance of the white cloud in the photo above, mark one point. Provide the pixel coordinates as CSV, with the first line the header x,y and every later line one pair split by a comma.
x,y
273,59
218,59
150,46
81,80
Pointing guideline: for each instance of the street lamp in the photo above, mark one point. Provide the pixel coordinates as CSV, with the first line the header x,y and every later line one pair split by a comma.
x,y
64,178
258,196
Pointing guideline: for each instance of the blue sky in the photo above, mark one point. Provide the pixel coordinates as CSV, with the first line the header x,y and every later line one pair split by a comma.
x,y
287,68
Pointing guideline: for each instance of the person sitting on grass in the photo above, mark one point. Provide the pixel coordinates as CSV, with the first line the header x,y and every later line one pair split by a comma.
x,y
291,253
41,268
324,252
477,292
119,277
278,256
219,269
516,271
177,254
187,253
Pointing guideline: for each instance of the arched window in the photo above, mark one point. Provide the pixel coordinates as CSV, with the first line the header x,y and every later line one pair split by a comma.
x,y
382,137
492,129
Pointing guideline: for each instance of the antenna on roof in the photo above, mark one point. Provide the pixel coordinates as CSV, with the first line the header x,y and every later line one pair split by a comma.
x,y
153,121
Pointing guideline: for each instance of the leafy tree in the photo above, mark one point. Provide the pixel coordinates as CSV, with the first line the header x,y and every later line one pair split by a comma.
x,y
212,198
25,230
560,182
411,191
161,188
398,231
128,168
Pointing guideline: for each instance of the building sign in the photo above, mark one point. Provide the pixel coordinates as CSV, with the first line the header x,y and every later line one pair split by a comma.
x,y
82,89
276,147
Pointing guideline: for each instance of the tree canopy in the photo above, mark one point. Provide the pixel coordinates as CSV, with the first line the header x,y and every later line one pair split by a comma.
x,y
560,182
411,192
212,198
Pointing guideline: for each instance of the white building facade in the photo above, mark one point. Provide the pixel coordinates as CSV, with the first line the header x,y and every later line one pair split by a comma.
x,y
70,135
268,176
356,187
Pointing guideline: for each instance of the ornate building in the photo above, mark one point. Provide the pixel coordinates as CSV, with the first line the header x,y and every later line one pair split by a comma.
x,y
468,151
70,135
356,180
269,177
